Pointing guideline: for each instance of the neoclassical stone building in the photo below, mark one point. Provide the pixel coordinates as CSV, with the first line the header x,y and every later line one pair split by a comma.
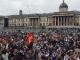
x,y
61,19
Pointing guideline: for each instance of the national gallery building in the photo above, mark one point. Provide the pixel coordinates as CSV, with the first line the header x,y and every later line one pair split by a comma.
x,y
61,19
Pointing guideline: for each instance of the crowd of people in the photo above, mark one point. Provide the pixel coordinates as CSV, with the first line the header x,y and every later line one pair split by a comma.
x,y
44,46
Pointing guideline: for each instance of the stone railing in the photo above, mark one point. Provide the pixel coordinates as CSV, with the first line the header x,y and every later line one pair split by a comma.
x,y
63,27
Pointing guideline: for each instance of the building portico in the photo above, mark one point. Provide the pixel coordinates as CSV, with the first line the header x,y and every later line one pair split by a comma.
x,y
64,20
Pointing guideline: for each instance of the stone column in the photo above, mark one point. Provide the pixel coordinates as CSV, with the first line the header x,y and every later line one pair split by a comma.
x,y
55,21
69,20
58,20
66,20
32,22
73,21
35,23
38,22
63,20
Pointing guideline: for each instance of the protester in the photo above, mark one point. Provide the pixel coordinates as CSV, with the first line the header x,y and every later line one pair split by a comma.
x,y
39,46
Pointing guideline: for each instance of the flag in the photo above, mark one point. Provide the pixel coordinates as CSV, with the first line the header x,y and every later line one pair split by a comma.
x,y
29,38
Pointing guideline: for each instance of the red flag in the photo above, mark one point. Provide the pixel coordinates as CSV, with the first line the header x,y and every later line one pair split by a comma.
x,y
29,38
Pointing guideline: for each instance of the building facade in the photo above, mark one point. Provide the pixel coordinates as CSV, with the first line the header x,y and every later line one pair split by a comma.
x,y
1,23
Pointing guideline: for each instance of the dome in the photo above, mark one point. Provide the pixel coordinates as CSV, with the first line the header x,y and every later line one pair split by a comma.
x,y
63,5
20,12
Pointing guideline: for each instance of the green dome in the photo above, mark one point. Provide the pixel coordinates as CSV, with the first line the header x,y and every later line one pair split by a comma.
x,y
63,5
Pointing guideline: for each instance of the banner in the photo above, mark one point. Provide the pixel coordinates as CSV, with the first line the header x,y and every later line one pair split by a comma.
x,y
29,38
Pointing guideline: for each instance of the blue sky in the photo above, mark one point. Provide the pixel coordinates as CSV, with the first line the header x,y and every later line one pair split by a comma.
x,y
12,7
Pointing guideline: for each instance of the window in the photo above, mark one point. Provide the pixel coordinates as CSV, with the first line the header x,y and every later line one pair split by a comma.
x,y
43,24
26,25
40,24
44,19
19,24
50,24
47,24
